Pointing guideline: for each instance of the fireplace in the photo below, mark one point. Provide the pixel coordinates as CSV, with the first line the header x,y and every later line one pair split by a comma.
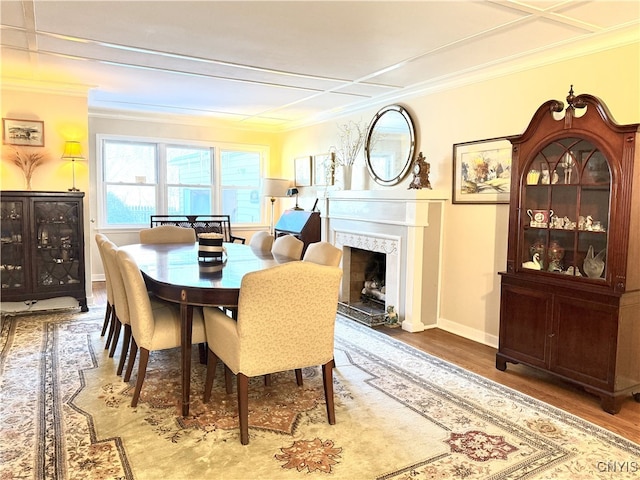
x,y
403,226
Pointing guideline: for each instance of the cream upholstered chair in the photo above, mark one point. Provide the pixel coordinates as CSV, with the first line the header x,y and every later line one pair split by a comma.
x,y
153,326
167,234
109,320
261,242
120,305
276,330
323,253
287,247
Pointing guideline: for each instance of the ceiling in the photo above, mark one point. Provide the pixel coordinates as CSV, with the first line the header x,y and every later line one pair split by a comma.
x,y
278,65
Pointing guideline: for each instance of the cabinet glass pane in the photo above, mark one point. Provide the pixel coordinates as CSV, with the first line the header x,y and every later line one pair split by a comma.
x,y
566,200
12,246
57,244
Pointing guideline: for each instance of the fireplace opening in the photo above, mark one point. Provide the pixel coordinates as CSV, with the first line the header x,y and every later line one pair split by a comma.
x,y
367,287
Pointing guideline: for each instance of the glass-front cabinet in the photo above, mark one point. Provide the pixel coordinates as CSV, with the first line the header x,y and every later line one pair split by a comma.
x,y
570,295
42,246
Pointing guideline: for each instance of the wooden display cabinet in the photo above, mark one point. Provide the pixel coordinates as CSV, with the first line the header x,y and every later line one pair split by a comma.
x,y
570,298
42,242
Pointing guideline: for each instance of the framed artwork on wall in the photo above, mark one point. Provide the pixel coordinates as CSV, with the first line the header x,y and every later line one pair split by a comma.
x,y
482,171
323,169
23,132
302,167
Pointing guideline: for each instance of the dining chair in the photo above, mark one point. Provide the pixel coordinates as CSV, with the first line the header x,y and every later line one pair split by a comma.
x,y
287,247
276,330
153,326
167,234
323,253
108,315
261,242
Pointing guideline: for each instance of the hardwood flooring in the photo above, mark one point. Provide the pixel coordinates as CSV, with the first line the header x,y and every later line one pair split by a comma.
x,y
480,359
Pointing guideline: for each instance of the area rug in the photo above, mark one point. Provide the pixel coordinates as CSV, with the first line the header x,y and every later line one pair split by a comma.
x,y
401,414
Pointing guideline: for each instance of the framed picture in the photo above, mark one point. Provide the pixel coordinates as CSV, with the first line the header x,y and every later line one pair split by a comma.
x,y
22,132
482,171
323,169
303,171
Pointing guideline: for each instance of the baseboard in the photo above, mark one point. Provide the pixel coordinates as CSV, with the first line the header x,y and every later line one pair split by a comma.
x,y
476,335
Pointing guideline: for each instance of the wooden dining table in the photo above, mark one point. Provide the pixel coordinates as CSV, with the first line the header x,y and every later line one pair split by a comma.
x,y
173,272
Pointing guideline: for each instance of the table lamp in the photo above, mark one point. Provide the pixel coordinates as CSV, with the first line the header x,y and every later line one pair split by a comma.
x,y
290,193
73,152
272,188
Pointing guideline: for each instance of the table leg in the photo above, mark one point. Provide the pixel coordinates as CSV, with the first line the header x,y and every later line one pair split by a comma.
x,y
186,316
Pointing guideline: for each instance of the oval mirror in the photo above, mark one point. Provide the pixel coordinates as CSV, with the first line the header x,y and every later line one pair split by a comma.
x,y
390,145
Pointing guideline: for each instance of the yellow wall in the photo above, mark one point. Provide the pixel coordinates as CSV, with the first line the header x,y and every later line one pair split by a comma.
x,y
65,117
475,236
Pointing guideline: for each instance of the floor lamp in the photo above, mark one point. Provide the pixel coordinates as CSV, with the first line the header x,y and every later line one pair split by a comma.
x,y
272,188
73,152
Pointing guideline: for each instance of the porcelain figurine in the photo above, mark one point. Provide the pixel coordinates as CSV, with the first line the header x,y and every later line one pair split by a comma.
x,y
534,264
593,266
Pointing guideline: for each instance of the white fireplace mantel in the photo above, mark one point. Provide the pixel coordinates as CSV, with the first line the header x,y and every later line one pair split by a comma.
x,y
410,222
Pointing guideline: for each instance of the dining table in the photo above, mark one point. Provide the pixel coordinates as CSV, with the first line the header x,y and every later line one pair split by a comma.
x,y
175,273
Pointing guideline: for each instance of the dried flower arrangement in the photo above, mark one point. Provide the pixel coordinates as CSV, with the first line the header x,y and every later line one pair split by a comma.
x,y
28,160
351,138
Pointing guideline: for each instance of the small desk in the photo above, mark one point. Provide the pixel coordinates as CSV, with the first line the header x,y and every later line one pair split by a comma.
x,y
172,272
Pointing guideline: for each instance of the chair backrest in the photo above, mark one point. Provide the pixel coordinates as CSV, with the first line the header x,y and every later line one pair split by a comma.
x,y
100,239
140,311
323,253
119,291
261,242
200,224
287,247
167,234
286,317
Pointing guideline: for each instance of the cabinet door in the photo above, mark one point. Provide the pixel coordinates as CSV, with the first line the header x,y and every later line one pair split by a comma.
x,y
566,211
14,239
584,341
525,321
57,249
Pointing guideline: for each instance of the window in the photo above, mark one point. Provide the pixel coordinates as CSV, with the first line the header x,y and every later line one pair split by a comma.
x,y
143,178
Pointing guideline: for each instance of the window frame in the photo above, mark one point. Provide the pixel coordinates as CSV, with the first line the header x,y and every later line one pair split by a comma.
x,y
162,184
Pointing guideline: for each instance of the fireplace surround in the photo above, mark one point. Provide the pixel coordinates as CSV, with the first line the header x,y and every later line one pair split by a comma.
x,y
405,225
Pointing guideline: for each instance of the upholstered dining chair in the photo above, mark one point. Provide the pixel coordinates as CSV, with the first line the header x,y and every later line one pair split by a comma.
x,y
153,326
323,253
287,248
109,320
167,234
261,242
276,331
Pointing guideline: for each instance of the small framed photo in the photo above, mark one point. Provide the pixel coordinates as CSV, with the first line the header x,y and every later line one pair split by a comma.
x,y
482,171
22,132
323,169
302,167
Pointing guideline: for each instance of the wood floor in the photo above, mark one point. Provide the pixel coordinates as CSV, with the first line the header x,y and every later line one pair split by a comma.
x,y
480,359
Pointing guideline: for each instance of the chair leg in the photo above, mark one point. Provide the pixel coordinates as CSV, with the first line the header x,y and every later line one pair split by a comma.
x,y
142,370
299,376
228,380
112,323
202,353
105,324
243,407
267,380
327,380
212,362
116,336
125,346
133,352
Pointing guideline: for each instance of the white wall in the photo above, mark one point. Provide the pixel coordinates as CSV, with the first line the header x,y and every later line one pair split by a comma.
x,y
475,236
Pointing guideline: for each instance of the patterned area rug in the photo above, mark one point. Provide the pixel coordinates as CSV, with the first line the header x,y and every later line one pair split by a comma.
x,y
401,414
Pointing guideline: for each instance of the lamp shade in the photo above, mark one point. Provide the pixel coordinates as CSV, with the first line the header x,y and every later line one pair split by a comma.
x,y
274,187
292,191
72,151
